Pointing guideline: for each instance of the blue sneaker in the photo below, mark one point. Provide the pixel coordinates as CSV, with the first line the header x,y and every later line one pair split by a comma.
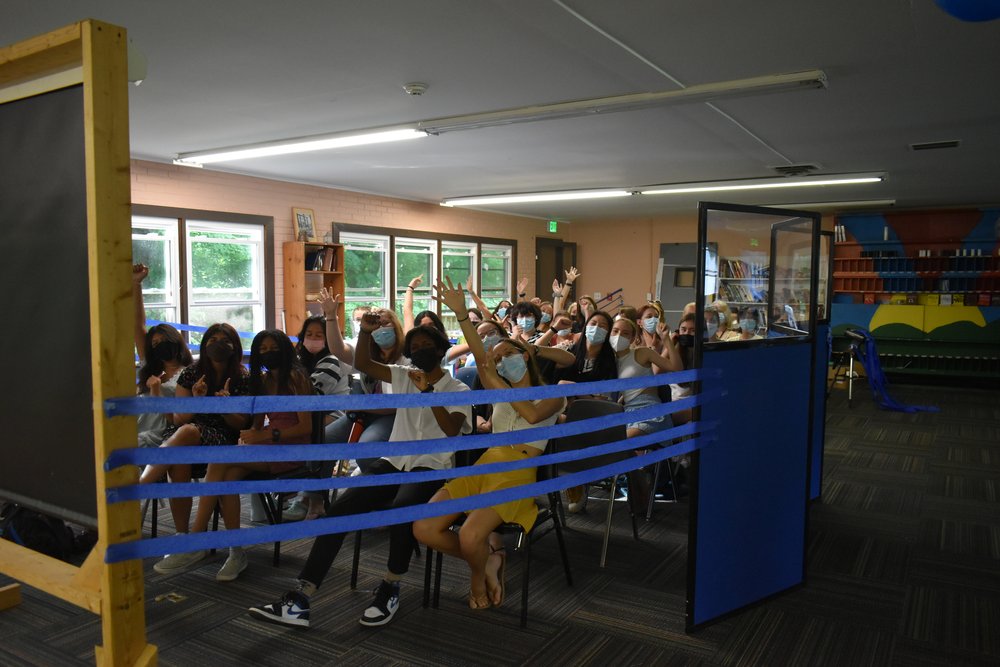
x,y
384,606
292,609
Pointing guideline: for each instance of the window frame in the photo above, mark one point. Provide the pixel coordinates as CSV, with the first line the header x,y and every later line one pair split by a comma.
x,y
197,217
354,231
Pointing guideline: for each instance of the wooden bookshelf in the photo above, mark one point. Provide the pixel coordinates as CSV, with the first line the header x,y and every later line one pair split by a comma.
x,y
309,267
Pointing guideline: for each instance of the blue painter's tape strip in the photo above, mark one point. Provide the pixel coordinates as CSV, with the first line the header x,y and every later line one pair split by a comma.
x,y
195,328
334,452
115,407
189,489
230,538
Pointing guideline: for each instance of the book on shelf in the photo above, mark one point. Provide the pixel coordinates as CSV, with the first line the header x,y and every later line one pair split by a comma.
x,y
984,299
958,299
868,298
945,300
317,263
329,259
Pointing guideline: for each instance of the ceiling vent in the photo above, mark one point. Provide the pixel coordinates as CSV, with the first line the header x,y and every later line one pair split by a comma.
x,y
796,169
934,145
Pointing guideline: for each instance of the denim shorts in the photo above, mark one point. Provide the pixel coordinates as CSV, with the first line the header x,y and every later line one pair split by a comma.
x,y
654,424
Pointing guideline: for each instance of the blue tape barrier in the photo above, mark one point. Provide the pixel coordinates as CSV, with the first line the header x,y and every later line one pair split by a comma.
x,y
337,451
284,532
189,489
116,407
198,329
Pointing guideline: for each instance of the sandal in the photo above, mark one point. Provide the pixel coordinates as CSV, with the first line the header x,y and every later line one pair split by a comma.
x,y
501,553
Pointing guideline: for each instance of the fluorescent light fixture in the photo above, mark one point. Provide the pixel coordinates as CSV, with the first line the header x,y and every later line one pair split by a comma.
x,y
836,205
706,92
535,197
299,145
763,184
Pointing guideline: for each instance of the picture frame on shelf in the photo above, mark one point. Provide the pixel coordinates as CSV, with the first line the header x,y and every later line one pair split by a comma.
x,y
304,224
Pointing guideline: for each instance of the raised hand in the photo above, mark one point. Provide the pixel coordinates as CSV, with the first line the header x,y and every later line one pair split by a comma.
x,y
522,284
370,322
453,297
224,392
556,286
468,283
571,275
329,303
139,273
419,379
417,282
661,329
199,388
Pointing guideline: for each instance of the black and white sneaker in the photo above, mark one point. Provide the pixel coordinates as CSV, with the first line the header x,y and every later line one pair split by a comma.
x,y
384,606
292,609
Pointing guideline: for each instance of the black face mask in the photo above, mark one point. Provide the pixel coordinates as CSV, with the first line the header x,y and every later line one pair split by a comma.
x,y
685,340
271,359
165,350
426,358
219,351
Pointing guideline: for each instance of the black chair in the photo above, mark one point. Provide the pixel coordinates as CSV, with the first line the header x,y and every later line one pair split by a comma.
x,y
587,408
546,515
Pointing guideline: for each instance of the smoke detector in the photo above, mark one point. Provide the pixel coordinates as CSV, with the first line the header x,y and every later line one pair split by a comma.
x,y
416,88
796,169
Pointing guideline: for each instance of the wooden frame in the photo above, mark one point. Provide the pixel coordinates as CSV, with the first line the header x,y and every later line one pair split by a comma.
x,y
94,54
304,224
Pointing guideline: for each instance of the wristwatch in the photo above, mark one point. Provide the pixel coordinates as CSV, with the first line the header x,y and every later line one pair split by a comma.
x,y
275,435
429,390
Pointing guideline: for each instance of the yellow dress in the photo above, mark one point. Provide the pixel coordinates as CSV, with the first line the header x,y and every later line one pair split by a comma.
x,y
522,511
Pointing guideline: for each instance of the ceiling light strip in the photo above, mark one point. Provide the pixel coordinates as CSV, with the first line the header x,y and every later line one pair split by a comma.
x,y
698,93
535,197
764,184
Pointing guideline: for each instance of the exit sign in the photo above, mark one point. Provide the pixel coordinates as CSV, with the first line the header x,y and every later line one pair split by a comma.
x,y
553,226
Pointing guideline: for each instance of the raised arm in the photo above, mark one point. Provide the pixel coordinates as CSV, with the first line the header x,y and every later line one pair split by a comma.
x,y
139,273
454,298
363,361
560,357
408,322
669,352
522,285
483,308
334,337
560,293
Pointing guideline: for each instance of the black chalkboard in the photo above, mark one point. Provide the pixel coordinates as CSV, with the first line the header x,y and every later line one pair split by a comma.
x,y
46,411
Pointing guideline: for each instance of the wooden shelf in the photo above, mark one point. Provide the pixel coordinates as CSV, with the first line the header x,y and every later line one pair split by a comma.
x,y
301,282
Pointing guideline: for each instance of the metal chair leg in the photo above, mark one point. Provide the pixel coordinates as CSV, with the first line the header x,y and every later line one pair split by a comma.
x,y
607,523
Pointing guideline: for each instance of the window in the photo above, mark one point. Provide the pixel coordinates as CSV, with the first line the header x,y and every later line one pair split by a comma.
x,y
496,274
415,257
370,282
366,271
204,270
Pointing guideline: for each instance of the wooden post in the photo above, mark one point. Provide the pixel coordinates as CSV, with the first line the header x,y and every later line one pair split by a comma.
x,y
105,78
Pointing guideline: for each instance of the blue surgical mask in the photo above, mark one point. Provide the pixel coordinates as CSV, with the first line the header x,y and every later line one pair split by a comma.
x,y
748,325
649,324
564,333
710,329
546,318
595,334
512,368
384,337
490,341
526,323
501,313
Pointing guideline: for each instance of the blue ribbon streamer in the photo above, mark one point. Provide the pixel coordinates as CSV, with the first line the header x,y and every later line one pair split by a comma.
x,y
189,489
231,538
334,452
116,407
197,329
878,381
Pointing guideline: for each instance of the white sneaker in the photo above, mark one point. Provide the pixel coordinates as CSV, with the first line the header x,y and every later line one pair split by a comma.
x,y
173,563
234,565
296,511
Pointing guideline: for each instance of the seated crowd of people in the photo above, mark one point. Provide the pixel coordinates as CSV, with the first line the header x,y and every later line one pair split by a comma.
x,y
524,343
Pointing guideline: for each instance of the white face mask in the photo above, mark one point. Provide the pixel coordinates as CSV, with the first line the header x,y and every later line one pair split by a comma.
x,y
619,342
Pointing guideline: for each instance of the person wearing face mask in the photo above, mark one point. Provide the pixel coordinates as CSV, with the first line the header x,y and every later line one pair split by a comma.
x,y
650,318
715,329
218,372
502,312
585,309
387,349
593,357
329,377
545,323
749,323
425,347
727,322
284,375
163,354
560,335
509,364
525,316
685,348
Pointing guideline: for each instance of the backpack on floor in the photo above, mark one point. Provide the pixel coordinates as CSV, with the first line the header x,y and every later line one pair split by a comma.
x,y
36,531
